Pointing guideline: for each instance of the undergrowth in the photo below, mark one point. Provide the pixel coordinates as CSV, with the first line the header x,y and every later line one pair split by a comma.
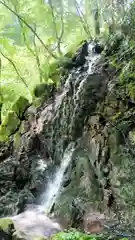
x,y
120,54
76,235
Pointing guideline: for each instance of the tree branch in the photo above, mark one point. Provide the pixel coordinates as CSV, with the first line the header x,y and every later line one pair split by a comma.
x,y
37,59
62,28
82,19
55,26
22,20
35,54
16,70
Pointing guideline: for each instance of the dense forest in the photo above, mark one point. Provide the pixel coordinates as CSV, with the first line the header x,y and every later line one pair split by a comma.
x,y
67,117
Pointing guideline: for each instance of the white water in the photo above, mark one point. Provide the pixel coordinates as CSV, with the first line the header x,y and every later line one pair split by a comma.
x,y
52,191
92,57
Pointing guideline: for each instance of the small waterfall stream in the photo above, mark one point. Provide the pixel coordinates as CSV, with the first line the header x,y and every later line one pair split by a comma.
x,y
50,195
34,222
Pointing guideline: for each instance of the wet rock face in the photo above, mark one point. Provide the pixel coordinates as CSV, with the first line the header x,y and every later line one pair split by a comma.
x,y
46,133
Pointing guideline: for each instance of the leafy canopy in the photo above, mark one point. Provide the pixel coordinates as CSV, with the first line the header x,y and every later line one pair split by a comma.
x,y
35,34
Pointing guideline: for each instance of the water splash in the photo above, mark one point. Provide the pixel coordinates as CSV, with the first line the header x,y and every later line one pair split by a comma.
x,y
33,223
50,195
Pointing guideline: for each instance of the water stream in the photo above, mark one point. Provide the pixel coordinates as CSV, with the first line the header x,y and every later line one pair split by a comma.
x,y
51,193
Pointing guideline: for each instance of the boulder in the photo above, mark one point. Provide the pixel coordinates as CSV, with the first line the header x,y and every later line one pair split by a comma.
x,y
6,229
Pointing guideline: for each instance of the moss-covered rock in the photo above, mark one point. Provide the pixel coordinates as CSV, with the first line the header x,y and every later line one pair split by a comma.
x,y
17,140
20,106
6,229
44,90
9,126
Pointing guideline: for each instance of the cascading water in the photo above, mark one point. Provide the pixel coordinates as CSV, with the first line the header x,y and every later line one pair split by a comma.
x,y
68,109
52,191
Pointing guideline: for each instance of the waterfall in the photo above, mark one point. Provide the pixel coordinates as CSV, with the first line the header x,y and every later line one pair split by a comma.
x,y
49,196
63,121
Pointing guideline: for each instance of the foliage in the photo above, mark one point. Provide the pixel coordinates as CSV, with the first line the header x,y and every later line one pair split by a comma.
x,y
38,37
129,21
9,125
20,106
44,90
35,35
122,177
76,235
120,53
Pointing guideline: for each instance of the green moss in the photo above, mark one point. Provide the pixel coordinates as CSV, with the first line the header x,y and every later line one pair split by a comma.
x,y
6,225
116,116
114,44
3,137
131,90
20,106
37,102
120,54
17,139
22,129
54,71
44,90
132,136
9,126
